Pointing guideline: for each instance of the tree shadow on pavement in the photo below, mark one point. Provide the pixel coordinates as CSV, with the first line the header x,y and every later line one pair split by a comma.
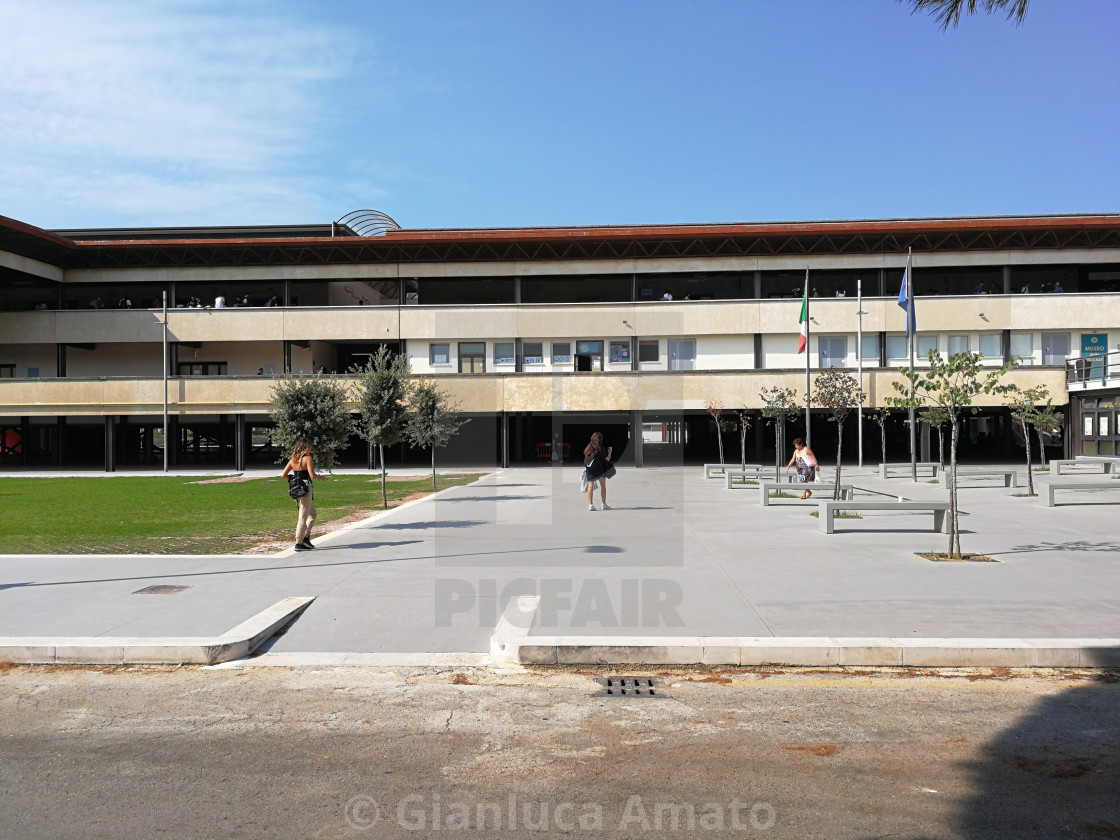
x,y
1072,545
426,526
1055,772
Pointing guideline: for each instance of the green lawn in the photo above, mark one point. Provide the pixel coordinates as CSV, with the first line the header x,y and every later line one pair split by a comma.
x,y
176,515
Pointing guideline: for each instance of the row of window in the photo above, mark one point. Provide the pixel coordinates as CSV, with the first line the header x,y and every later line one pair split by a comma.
x,y
587,355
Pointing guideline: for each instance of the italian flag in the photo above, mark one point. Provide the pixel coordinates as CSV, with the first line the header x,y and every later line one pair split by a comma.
x,y
804,321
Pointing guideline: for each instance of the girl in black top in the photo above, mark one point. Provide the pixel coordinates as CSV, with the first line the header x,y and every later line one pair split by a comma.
x,y
301,464
597,460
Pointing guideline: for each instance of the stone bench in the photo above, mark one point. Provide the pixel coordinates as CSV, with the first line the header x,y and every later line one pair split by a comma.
x,y
730,477
1108,465
847,491
1010,477
1047,498
827,510
723,468
897,470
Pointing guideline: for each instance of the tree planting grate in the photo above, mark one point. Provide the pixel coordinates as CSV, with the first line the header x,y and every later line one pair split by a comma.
x,y
628,687
163,589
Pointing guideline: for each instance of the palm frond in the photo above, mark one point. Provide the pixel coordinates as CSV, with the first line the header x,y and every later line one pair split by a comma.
x,y
948,12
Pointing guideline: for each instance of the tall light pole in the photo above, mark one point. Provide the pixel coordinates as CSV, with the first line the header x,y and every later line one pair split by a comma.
x,y
166,442
859,364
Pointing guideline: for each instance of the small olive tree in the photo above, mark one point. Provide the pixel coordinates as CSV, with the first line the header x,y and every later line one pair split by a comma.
x,y
312,407
723,423
778,406
1046,419
1024,405
936,417
743,421
432,419
383,386
840,393
879,414
952,384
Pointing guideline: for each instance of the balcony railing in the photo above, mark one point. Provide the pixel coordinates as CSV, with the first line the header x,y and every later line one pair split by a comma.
x,y
1100,371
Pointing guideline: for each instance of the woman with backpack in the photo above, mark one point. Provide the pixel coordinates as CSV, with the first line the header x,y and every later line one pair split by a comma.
x,y
300,472
598,464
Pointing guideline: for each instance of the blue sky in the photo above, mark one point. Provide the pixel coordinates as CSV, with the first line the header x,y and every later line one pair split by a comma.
x,y
489,114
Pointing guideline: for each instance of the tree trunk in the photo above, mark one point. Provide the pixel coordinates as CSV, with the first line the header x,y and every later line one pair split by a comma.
x,y
433,469
954,522
941,445
719,438
883,440
742,445
778,448
1027,443
839,450
384,491
1041,447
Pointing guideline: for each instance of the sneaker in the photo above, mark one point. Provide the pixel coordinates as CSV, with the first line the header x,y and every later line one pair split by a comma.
x,y
606,506
591,507
302,547
307,543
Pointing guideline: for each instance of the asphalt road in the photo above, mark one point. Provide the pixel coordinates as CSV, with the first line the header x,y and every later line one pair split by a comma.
x,y
331,753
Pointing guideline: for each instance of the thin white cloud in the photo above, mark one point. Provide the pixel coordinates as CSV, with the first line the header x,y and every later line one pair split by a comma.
x,y
137,108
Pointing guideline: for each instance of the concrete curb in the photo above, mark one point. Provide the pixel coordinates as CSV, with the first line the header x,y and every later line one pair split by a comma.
x,y
808,651
126,650
359,660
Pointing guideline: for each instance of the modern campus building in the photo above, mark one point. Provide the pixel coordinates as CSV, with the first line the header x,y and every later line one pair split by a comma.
x,y
541,334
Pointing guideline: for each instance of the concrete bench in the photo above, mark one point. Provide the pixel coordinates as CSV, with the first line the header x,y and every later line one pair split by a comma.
x,y
896,470
1108,465
827,510
1010,477
723,468
1047,498
733,479
847,491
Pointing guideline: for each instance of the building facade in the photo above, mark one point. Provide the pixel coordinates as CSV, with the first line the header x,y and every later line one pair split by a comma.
x,y
541,335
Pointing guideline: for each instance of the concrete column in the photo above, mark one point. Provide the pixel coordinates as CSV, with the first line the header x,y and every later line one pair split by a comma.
x,y
519,356
24,435
517,290
636,438
758,350
60,360
503,456
882,284
240,441
634,353
110,444
1005,345
1007,279
287,355
287,292
883,348
924,445
758,285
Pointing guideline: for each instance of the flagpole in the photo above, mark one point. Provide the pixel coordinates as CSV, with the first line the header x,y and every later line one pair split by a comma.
x,y
912,334
808,416
859,365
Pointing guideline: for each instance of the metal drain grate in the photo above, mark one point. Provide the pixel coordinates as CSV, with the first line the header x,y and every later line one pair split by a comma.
x,y
628,687
163,589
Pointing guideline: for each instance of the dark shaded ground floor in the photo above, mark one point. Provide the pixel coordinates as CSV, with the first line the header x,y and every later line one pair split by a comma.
x,y
236,442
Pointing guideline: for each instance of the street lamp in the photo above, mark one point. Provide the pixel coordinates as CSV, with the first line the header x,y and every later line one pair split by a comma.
x,y
859,365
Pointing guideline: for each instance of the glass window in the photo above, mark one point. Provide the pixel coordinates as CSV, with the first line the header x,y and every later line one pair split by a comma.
x,y
870,349
1022,344
472,357
896,347
682,354
991,345
1055,348
561,352
924,344
7,371
832,351
958,344
439,354
1089,425
649,350
1103,425
533,352
202,368
504,353
620,352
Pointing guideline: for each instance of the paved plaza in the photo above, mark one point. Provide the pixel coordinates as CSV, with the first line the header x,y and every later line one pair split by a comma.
x,y
676,555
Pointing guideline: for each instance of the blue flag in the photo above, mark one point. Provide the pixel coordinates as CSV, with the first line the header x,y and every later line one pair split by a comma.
x,y
906,298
